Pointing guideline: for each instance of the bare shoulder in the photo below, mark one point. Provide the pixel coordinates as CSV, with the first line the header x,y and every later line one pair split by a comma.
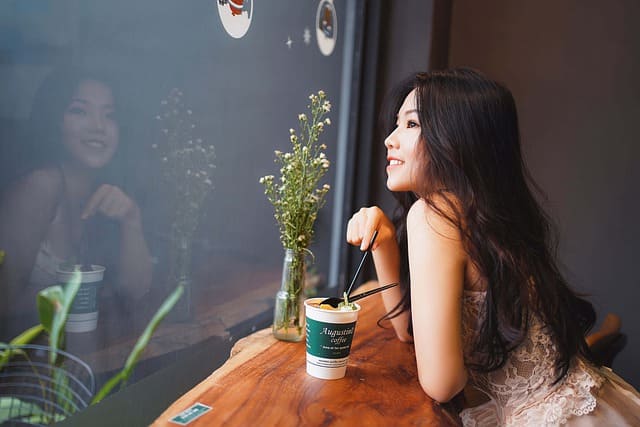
x,y
433,219
41,188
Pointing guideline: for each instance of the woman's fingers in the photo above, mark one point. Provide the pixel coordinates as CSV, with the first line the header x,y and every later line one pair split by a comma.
x,y
362,225
94,201
109,201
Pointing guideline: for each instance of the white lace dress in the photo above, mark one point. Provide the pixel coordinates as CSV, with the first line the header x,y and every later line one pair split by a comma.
x,y
522,392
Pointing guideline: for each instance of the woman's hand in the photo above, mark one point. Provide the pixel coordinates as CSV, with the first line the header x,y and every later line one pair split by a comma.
x,y
113,203
386,257
362,225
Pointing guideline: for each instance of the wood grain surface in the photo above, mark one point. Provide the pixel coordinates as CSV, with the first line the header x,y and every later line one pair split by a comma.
x,y
264,383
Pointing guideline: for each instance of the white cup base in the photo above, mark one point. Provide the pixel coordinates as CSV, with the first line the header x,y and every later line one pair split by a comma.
x,y
325,373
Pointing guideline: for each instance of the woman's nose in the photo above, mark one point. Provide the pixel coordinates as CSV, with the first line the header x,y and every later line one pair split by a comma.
x,y
389,141
98,122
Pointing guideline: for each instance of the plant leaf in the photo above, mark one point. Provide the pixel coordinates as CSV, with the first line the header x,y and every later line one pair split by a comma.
x,y
12,408
24,338
63,391
60,315
49,301
108,386
141,344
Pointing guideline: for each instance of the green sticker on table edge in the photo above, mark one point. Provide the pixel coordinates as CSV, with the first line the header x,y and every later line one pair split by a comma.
x,y
190,414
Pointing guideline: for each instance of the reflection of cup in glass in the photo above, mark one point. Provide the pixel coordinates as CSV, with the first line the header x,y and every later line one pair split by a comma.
x,y
83,314
329,336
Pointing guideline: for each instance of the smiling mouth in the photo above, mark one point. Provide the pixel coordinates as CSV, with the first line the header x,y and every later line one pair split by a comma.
x,y
394,162
95,143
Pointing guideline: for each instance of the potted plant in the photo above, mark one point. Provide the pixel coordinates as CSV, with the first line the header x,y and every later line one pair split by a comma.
x,y
42,385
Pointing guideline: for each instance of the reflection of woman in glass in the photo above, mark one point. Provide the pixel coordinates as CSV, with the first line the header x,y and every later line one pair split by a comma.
x,y
49,215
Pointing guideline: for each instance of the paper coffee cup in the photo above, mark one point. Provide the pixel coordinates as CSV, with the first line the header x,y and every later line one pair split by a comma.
x,y
329,336
83,314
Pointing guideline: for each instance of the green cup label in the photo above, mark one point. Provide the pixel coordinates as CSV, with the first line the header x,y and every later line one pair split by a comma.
x,y
329,340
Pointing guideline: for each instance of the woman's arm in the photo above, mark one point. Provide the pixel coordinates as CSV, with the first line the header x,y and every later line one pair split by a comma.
x,y
134,266
386,257
26,212
437,264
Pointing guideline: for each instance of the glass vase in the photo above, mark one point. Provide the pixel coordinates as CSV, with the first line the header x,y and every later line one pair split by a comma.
x,y
288,316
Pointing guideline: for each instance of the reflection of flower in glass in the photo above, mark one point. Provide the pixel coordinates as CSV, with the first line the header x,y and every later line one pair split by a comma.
x,y
297,196
187,164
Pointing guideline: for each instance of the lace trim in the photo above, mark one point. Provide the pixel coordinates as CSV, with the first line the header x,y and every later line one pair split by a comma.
x,y
575,397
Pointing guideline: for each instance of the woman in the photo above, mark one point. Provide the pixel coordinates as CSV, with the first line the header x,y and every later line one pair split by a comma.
x,y
482,297
61,211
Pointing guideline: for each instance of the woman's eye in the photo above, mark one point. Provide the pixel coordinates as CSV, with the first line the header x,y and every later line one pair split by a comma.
x,y
412,124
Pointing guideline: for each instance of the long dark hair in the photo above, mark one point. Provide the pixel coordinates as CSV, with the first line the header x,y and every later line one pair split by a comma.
x,y
471,160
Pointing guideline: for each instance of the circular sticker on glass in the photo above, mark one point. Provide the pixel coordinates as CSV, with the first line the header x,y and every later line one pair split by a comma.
x,y
235,16
326,27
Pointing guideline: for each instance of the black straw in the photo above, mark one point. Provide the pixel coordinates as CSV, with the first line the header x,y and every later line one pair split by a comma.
x,y
364,257
372,291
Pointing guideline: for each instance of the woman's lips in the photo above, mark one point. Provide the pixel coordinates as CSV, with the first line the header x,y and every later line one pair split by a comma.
x,y
93,143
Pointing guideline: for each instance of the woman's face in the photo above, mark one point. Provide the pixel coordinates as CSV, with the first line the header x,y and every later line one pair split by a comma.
x,y
89,129
403,160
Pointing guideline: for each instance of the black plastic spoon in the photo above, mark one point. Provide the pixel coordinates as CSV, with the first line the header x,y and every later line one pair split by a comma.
x,y
335,301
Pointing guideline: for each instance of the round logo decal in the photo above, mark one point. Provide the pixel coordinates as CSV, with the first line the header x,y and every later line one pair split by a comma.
x,y
326,27
235,16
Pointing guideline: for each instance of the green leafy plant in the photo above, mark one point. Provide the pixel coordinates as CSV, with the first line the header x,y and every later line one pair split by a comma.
x,y
296,196
53,308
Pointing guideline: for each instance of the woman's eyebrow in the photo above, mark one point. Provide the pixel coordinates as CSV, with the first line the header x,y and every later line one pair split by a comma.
x,y
84,101
406,113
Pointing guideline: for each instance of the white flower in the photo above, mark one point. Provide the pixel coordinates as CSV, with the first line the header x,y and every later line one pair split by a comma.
x,y
327,121
321,93
302,117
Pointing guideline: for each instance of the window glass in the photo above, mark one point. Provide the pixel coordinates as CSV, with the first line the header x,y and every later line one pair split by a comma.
x,y
132,138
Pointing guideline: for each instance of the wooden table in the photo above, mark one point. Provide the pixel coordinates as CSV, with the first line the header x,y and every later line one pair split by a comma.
x,y
264,383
